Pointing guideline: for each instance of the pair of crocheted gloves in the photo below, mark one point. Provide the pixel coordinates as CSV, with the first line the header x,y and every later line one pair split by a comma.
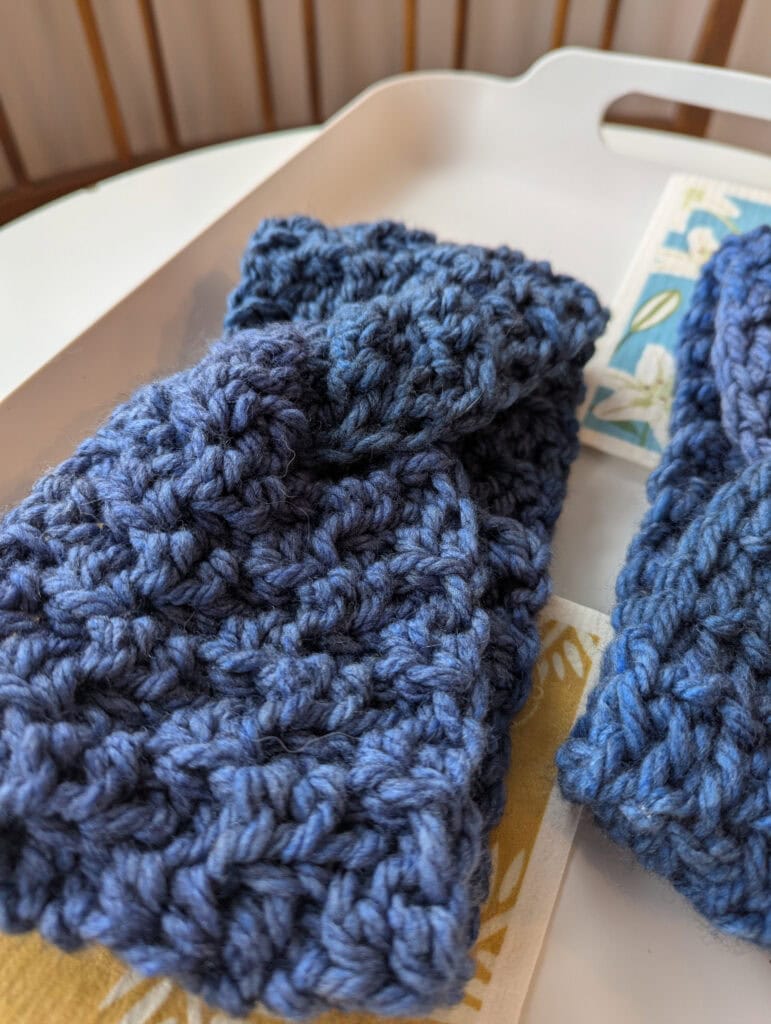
x,y
262,636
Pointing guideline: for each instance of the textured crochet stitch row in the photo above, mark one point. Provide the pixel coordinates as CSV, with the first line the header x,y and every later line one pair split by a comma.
x,y
673,755
263,634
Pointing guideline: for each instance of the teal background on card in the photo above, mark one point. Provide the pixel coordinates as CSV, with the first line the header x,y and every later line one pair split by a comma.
x,y
664,331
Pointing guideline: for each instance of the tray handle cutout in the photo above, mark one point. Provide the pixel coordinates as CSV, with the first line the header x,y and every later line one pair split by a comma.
x,y
594,80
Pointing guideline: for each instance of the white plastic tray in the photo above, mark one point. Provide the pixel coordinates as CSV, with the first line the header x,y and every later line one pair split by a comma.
x,y
476,159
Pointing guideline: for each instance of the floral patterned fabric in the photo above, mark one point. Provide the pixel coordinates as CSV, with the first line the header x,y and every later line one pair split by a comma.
x,y
631,377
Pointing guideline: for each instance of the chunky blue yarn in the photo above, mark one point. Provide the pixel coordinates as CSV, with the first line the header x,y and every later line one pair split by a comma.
x,y
673,755
262,635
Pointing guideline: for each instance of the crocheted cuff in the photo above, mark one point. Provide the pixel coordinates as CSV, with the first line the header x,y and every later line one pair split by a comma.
x,y
262,636
673,754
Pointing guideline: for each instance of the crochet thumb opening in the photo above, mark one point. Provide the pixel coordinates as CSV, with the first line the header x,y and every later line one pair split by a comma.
x,y
741,353
432,367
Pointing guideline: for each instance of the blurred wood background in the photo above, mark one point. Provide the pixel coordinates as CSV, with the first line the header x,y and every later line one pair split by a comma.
x,y
92,87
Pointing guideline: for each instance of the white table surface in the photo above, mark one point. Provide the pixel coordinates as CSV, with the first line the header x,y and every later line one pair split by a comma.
x,y
65,265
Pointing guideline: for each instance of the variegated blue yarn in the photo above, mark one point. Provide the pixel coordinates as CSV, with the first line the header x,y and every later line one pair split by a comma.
x,y
673,755
262,635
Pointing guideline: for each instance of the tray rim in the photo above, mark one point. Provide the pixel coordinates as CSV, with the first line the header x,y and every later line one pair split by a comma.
x,y
551,69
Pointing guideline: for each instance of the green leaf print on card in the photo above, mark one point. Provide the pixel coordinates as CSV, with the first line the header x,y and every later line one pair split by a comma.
x,y
652,312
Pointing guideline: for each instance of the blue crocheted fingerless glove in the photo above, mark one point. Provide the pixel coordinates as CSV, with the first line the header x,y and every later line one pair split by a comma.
x,y
262,635
673,755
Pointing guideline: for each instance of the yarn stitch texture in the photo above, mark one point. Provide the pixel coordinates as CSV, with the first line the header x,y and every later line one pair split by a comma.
x,y
263,634
673,755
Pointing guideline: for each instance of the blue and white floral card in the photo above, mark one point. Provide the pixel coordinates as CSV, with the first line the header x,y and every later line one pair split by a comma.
x,y
631,377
